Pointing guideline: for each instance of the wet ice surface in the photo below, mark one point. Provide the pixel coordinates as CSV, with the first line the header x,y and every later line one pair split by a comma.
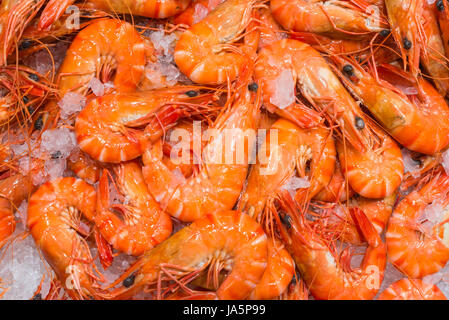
x,y
73,103
22,268
55,147
284,90
164,67
445,161
410,165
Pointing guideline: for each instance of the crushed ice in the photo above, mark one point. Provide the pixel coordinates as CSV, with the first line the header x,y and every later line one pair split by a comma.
x,y
284,90
445,161
22,268
71,103
410,165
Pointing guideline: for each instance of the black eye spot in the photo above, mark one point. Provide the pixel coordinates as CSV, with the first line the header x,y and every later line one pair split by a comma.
x,y
384,32
25,44
34,77
407,44
192,93
25,100
30,109
287,221
348,70
39,123
359,123
253,87
128,282
56,155
440,5
37,297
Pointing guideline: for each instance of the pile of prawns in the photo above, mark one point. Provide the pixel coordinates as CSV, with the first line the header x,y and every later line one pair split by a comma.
x,y
370,81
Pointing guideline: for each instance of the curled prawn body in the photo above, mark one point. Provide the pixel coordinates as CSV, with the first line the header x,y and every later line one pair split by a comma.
x,y
412,289
219,60
104,48
293,150
332,18
54,216
316,82
325,274
216,237
410,119
107,129
376,173
418,241
144,224
217,185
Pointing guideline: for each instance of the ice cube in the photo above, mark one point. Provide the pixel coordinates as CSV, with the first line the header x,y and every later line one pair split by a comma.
x,y
284,90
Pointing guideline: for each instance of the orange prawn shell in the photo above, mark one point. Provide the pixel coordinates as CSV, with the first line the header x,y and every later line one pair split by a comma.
x,y
227,232
50,227
106,40
414,253
198,53
144,226
412,289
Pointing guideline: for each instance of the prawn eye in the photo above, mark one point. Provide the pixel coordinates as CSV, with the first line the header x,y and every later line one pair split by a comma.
x,y
39,123
407,44
34,77
25,44
25,100
253,87
384,32
192,93
287,221
56,155
440,5
30,109
128,282
359,123
348,70
37,297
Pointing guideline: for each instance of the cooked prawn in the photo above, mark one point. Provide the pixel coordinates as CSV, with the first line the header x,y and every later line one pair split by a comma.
x,y
417,237
105,49
332,18
219,60
228,236
223,172
54,220
326,276
144,224
376,173
406,108
107,129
